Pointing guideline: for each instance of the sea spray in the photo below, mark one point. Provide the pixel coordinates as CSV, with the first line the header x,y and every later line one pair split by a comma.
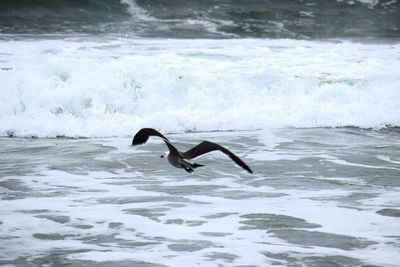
x,y
113,87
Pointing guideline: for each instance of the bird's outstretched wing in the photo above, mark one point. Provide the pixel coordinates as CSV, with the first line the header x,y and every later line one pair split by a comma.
x,y
143,135
206,146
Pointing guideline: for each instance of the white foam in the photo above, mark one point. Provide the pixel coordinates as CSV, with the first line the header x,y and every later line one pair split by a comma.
x,y
135,10
99,199
388,159
344,162
112,87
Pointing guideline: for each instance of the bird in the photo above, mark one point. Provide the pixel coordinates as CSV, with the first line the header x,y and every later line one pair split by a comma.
x,y
180,159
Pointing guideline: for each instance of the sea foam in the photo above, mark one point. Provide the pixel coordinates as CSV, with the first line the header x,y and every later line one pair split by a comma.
x,y
112,87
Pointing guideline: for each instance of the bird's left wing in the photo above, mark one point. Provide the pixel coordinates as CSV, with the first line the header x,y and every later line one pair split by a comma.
x,y
143,135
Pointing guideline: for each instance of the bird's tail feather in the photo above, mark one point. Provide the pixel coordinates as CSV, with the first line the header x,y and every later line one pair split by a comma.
x,y
195,165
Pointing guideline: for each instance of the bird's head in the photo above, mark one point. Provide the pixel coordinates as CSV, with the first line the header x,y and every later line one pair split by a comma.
x,y
164,155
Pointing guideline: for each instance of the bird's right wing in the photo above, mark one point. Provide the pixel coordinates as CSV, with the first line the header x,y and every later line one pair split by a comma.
x,y
206,146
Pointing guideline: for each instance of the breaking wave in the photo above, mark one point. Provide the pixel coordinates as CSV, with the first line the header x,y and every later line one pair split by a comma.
x,y
101,89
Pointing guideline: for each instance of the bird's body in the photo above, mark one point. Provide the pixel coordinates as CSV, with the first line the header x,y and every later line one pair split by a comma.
x,y
180,162
179,159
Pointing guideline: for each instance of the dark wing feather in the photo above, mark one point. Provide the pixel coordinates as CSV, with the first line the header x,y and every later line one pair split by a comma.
x,y
143,135
206,146
171,148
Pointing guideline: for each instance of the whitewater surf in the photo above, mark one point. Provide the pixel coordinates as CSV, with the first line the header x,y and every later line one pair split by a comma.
x,y
305,92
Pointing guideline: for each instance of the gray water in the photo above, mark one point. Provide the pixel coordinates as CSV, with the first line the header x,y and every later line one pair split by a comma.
x,y
318,197
296,19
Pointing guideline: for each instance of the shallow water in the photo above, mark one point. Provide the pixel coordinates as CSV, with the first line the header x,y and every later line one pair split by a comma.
x,y
318,197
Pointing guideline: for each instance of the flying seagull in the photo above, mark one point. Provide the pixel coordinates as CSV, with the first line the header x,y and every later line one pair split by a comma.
x,y
179,159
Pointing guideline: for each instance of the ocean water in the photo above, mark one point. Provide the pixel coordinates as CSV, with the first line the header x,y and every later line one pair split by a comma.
x,y
109,87
307,93
318,197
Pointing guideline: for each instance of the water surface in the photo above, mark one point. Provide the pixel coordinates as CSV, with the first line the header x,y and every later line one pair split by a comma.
x,y
318,197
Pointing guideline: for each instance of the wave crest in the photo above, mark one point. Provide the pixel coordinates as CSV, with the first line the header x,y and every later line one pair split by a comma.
x,y
112,89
